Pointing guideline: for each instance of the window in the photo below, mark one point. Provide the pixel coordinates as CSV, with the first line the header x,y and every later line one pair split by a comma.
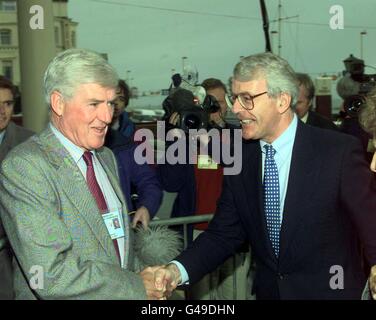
x,y
8,69
5,37
8,5
57,38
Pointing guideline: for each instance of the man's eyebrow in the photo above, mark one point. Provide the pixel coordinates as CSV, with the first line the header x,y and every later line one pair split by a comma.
x,y
95,100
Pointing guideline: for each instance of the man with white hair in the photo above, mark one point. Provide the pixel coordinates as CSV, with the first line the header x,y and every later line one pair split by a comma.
x,y
59,193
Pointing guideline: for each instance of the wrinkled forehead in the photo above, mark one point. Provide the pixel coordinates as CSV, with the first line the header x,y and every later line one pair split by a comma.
x,y
251,86
6,93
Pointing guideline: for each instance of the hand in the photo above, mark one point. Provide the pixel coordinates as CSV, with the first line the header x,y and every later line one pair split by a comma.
x,y
373,163
217,119
141,215
148,277
174,118
372,282
167,278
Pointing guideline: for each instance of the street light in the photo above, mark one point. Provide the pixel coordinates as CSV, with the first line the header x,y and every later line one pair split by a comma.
x,y
128,76
363,33
183,62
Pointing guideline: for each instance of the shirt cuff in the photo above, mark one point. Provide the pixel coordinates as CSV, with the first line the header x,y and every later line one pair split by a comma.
x,y
183,272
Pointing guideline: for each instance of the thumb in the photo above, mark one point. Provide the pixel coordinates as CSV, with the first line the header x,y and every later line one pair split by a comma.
x,y
159,279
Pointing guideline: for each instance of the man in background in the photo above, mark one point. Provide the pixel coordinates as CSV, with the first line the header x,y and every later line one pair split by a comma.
x,y
305,103
10,136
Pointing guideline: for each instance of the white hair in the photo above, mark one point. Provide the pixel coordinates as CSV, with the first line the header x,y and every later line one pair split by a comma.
x,y
74,67
279,76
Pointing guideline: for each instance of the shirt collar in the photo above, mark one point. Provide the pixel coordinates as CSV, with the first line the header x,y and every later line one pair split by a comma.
x,y
75,151
305,117
284,140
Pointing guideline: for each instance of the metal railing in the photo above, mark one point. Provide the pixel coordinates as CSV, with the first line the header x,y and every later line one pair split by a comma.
x,y
185,221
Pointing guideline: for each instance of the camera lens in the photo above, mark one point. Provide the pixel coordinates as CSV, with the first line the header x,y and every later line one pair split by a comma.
x,y
192,121
353,105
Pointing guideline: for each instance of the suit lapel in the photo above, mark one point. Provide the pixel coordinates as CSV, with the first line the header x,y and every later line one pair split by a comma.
x,y
304,166
74,184
8,141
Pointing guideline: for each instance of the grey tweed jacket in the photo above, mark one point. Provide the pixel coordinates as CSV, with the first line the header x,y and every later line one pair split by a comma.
x,y
54,226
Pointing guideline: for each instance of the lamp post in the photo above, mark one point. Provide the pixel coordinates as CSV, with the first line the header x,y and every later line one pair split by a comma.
x,y
127,77
183,62
362,34
273,33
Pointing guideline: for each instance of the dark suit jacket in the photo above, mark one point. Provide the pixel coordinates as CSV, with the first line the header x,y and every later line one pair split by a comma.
x,y
134,177
330,201
14,135
317,120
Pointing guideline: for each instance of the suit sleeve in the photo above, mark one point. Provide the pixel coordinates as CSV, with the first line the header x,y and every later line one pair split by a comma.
x,y
149,190
29,208
224,235
358,194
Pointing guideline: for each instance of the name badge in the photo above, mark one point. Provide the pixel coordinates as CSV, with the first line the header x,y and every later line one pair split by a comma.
x,y
114,223
206,162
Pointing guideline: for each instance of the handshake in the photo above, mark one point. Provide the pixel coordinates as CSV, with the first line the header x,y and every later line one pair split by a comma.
x,y
160,281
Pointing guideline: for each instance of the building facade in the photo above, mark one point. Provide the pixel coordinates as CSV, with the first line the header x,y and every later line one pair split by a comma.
x,y
64,30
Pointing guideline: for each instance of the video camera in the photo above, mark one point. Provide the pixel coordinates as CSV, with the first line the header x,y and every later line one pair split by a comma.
x,y
355,85
191,102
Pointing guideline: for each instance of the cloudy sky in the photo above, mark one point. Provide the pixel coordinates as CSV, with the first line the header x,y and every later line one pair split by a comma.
x,y
150,37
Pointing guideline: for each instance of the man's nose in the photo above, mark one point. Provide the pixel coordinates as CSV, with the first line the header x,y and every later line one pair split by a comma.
x,y
236,107
2,107
105,113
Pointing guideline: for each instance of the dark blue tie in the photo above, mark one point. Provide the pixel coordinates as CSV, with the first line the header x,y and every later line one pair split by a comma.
x,y
271,198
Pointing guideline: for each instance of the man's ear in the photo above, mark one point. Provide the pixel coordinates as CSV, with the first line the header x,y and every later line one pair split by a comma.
x,y
284,102
57,103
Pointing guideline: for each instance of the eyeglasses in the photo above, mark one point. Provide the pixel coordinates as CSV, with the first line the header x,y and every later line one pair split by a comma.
x,y
7,103
246,100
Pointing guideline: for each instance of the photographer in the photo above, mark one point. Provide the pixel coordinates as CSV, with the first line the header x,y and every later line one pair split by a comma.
x,y
199,188
353,88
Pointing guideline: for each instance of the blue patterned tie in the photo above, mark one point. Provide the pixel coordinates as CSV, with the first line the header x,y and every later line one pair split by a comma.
x,y
271,198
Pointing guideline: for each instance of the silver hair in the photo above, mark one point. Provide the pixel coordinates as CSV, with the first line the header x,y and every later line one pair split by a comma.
x,y
74,67
279,76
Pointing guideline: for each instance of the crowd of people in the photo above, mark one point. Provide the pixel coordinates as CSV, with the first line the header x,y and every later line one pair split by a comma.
x,y
303,203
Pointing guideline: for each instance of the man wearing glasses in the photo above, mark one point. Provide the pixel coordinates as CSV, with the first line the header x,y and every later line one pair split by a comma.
x,y
304,198
10,136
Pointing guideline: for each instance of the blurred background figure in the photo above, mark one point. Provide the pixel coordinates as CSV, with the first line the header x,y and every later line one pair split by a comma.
x,y
10,136
198,188
121,120
305,104
139,183
217,89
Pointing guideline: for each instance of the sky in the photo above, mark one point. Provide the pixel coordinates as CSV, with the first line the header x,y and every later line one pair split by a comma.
x,y
146,39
